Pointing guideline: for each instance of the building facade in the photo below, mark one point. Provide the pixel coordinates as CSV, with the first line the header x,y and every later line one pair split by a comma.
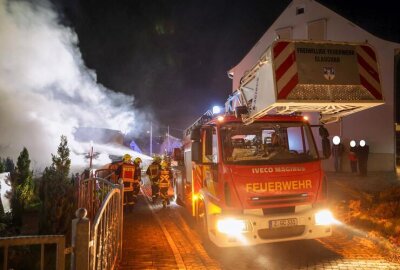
x,y
310,20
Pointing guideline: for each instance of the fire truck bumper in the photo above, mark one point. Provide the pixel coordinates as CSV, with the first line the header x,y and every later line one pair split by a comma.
x,y
248,229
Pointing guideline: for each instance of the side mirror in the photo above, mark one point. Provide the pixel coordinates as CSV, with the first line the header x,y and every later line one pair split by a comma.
x,y
177,154
195,134
196,151
326,147
208,143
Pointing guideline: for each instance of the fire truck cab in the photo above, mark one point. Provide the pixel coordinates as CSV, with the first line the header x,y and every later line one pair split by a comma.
x,y
255,183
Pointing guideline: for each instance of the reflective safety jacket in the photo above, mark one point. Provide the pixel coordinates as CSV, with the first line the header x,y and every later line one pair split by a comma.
x,y
165,178
138,174
153,171
126,172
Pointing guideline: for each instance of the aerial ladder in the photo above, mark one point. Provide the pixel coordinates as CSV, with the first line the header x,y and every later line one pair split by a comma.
x,y
335,79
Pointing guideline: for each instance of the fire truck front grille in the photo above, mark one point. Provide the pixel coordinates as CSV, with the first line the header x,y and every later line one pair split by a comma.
x,y
278,210
279,199
285,232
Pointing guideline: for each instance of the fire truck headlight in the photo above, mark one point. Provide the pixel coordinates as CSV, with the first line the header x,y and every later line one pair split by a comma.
x,y
324,217
232,226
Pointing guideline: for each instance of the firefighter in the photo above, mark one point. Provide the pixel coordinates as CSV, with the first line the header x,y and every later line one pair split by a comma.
x,y
337,152
362,156
126,172
153,171
137,178
165,182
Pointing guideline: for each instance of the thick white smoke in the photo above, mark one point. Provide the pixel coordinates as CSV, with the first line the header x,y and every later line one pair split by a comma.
x,y
45,89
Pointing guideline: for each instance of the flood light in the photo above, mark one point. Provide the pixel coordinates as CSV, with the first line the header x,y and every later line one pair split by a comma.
x,y
352,143
336,140
216,109
362,143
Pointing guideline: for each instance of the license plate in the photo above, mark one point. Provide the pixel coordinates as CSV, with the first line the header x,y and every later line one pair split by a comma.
x,y
279,223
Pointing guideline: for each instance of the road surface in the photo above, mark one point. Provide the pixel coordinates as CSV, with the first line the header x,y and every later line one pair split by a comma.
x,y
157,238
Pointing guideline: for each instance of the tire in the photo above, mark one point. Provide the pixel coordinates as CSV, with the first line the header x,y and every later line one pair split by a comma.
x,y
177,200
201,218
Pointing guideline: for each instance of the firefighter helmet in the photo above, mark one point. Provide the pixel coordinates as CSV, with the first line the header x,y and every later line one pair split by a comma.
x,y
137,160
164,164
157,159
126,158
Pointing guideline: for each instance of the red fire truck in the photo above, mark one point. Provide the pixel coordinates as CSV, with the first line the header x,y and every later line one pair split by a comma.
x,y
253,173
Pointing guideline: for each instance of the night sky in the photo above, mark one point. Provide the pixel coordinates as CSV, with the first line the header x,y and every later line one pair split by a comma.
x,y
172,56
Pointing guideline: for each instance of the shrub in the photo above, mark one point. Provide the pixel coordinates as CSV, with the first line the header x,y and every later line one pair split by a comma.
x,y
21,193
57,194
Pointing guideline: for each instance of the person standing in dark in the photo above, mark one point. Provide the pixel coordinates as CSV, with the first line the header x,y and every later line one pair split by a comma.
x,y
353,156
362,155
337,151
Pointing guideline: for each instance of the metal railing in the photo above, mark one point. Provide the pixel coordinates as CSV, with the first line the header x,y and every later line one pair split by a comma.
x,y
107,174
91,193
42,240
107,232
96,239
103,203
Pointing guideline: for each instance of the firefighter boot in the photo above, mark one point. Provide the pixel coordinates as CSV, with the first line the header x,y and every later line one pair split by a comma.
x,y
154,198
164,204
130,205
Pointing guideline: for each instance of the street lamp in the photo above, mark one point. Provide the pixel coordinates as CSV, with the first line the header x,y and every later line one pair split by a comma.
x,y
168,150
337,151
91,154
151,138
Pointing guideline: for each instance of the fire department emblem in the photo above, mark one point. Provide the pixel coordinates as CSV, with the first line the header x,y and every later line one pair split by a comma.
x,y
329,73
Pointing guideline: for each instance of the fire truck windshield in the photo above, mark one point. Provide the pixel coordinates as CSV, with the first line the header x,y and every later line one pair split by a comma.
x,y
268,143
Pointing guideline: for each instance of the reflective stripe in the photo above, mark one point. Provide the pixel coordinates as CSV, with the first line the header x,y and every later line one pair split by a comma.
x,y
285,68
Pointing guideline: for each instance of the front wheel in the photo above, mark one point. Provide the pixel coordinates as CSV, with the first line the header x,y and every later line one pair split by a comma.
x,y
177,200
201,218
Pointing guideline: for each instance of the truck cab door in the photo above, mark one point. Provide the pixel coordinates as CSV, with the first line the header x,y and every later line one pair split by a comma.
x,y
210,158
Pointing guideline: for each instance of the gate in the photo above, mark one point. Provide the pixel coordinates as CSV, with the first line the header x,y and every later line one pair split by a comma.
x,y
99,235
96,232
